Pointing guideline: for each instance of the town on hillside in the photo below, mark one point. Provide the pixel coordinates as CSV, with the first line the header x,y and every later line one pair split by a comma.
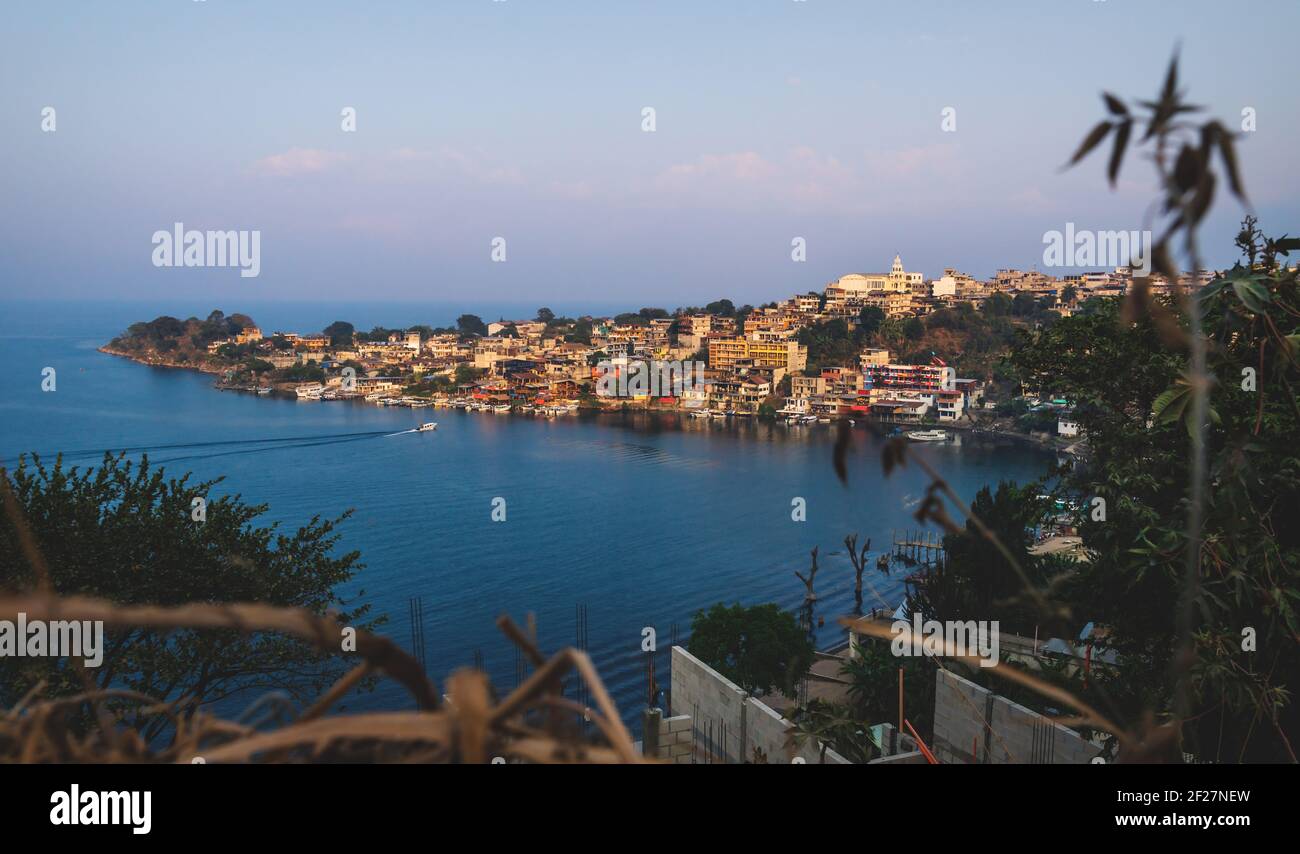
x,y
888,345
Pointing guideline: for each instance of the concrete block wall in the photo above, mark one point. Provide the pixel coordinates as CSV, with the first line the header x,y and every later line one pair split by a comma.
x,y
675,739
1019,735
768,732
714,704
706,697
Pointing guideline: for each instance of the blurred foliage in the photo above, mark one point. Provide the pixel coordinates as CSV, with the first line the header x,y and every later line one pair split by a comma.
x,y
125,532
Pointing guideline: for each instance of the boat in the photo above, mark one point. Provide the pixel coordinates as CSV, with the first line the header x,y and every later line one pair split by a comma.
x,y
501,407
928,435
264,390
808,419
427,426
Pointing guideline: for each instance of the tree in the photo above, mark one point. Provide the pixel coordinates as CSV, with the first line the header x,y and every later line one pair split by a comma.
x,y
581,333
340,334
1024,305
870,318
859,561
465,374
832,726
759,648
976,582
722,308
997,305
545,315
126,532
872,674
1132,401
470,325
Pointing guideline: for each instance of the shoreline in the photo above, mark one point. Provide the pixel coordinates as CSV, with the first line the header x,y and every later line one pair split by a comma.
x,y
970,428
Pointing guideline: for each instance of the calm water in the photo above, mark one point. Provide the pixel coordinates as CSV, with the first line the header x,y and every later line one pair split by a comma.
x,y
644,520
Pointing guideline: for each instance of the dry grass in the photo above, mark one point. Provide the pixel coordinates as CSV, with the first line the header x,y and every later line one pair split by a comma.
x,y
536,723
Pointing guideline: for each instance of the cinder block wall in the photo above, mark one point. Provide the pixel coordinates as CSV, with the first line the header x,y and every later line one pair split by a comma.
x,y
705,696
675,739
1018,735
713,703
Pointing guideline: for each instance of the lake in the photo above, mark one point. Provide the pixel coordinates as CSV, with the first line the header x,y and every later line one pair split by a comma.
x,y
643,519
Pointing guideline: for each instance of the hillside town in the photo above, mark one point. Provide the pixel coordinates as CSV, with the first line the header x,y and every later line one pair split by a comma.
x,y
813,358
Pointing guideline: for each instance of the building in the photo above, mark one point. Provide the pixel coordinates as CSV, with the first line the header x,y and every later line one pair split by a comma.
x,y
873,356
725,352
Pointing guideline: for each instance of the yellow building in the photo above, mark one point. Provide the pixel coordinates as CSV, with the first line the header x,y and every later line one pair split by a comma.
x,y
725,352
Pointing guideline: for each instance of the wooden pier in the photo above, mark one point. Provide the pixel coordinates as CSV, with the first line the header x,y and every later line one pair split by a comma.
x,y
918,547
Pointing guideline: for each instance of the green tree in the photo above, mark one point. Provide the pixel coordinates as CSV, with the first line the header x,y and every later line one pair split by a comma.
x,y
976,581
872,675
340,333
722,308
125,532
466,374
759,648
581,331
870,318
469,325
997,305
1133,401
1024,304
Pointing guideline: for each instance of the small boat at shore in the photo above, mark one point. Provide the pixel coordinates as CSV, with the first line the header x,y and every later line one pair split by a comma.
x,y
427,426
928,435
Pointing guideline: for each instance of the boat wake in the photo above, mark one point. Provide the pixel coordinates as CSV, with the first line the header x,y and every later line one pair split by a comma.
x,y
210,449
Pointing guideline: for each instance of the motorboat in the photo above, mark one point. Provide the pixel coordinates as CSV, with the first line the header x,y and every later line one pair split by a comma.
x,y
928,435
427,426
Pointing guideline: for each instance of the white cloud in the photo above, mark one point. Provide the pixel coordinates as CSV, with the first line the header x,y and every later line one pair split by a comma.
x,y
299,161
805,179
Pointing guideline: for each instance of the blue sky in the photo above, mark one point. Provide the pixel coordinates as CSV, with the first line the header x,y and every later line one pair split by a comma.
x,y
522,119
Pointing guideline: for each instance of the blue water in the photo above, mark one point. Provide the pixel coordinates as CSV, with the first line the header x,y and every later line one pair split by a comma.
x,y
644,519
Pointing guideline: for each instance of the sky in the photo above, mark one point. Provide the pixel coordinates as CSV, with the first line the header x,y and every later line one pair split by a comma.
x,y
524,120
